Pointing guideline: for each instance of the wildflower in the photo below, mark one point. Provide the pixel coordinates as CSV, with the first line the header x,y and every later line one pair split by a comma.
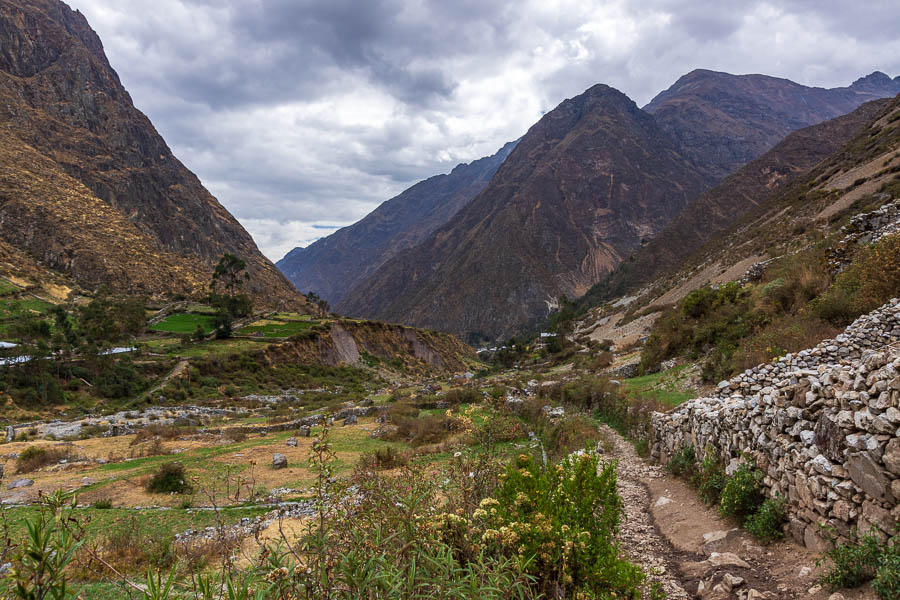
x,y
488,502
479,513
276,574
457,454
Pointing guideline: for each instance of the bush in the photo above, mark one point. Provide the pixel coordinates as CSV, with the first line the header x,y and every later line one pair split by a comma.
x,y
385,458
765,524
853,563
169,478
887,575
710,479
33,458
683,463
742,493
102,504
566,517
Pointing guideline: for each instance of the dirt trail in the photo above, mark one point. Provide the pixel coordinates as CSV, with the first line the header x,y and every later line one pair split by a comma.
x,y
664,528
175,372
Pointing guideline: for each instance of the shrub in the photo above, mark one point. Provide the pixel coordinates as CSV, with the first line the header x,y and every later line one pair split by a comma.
x,y
385,458
742,493
887,575
710,479
33,458
853,563
102,504
683,463
566,518
169,478
765,524
571,433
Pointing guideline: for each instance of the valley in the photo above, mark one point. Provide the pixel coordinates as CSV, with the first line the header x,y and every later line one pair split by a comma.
x,y
639,352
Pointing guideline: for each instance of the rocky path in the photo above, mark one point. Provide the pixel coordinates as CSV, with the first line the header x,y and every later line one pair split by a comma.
x,y
640,539
693,552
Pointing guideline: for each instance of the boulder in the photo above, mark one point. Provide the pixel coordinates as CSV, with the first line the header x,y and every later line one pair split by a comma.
x,y
727,559
279,461
716,541
351,420
304,431
20,483
292,442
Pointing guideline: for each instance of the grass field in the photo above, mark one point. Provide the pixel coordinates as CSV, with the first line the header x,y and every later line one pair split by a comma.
x,y
185,323
7,288
662,387
275,329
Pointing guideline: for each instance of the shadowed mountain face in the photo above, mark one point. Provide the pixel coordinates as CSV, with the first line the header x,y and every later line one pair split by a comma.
x,y
333,265
580,191
716,209
723,121
87,185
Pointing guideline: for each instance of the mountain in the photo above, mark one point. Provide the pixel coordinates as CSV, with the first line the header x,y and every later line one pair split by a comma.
x,y
333,265
582,188
87,185
714,210
723,121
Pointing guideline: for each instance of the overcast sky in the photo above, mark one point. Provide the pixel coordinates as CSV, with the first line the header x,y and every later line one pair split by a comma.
x,y
302,116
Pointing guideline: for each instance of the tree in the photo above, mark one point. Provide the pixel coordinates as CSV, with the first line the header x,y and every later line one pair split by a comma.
x,y
231,272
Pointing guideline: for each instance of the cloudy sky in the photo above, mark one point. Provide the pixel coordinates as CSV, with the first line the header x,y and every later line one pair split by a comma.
x,y
301,116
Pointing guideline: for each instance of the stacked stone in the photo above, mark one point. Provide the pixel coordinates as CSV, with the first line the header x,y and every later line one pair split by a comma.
x,y
823,425
866,228
874,330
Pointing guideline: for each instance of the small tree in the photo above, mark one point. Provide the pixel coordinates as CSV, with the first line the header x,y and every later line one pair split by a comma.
x,y
231,274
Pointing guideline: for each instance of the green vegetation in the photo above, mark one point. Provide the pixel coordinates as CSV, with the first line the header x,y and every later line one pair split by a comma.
x,y
7,288
185,323
660,387
169,478
742,495
796,304
276,329
861,560
765,524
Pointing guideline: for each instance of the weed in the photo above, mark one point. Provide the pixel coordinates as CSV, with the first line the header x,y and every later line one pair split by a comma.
x,y
102,504
683,463
710,479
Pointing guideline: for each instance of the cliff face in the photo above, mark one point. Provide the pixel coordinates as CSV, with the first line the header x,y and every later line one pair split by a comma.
x,y
109,204
333,265
723,121
581,190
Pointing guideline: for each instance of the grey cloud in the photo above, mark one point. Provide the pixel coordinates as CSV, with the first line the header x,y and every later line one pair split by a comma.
x,y
303,115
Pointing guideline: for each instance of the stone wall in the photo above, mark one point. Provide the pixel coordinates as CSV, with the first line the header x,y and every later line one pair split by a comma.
x,y
822,424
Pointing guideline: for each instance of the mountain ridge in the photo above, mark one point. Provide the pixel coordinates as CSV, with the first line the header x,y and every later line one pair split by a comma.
x,y
356,251
60,99
521,242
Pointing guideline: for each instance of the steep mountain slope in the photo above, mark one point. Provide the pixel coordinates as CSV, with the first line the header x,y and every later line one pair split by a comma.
x,y
714,210
584,186
333,265
723,121
862,176
88,185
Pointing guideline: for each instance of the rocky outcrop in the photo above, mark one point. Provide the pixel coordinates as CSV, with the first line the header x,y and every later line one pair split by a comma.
x,y
335,264
87,185
822,424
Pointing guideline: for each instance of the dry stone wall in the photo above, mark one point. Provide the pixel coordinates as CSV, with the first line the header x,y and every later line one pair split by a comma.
x,y
822,424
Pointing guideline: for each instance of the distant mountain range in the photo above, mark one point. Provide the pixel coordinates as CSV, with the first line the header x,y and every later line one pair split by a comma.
x,y
88,188
588,185
334,265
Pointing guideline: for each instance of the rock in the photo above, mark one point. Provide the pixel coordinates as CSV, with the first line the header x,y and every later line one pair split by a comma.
x,y
805,572
351,420
695,569
836,596
891,456
726,559
554,412
716,541
814,590
304,431
730,582
279,461
662,501
20,483
10,433
829,439
812,539
292,442
866,473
